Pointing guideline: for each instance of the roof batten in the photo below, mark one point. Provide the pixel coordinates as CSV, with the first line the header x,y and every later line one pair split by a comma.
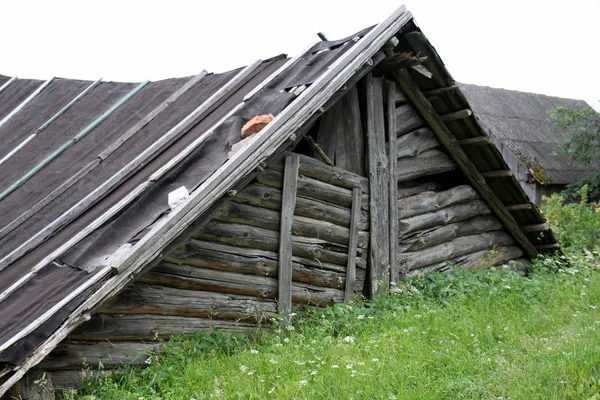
x,y
50,121
7,83
68,144
24,102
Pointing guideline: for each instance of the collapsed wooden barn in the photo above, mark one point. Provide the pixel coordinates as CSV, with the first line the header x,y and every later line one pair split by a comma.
x,y
373,169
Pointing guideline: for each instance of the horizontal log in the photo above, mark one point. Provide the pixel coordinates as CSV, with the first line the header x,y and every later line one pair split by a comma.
x,y
416,142
333,175
209,255
407,119
302,226
439,234
80,354
535,227
439,91
211,280
117,327
453,116
450,250
459,212
520,207
66,380
313,188
263,239
142,298
476,141
428,163
406,191
497,174
219,256
270,197
428,202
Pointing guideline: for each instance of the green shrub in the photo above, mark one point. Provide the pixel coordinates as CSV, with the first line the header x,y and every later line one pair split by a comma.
x,y
576,225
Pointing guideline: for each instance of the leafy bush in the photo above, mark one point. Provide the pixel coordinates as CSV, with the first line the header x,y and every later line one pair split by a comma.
x,y
576,225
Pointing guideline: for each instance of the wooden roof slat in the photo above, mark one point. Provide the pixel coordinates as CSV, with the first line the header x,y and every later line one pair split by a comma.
x,y
24,102
7,83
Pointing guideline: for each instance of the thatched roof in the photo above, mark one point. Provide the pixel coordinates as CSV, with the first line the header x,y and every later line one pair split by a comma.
x,y
520,121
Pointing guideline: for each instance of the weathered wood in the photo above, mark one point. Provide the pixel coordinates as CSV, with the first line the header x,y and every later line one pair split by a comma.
x,y
407,119
435,92
212,280
333,175
264,239
319,150
312,188
142,298
379,249
270,197
443,233
395,274
341,130
352,246
519,207
548,246
406,191
67,380
78,354
476,141
448,140
428,202
535,227
400,60
458,247
416,142
302,226
36,385
428,163
453,116
117,327
459,212
288,204
497,174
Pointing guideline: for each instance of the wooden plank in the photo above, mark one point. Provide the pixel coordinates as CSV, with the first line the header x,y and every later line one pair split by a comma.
x,y
24,103
350,147
288,204
448,140
352,246
400,60
7,83
379,253
395,274
548,246
418,187
476,141
263,145
497,174
438,91
519,207
535,227
453,116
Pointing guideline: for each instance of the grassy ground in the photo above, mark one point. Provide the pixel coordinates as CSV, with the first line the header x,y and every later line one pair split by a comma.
x,y
472,335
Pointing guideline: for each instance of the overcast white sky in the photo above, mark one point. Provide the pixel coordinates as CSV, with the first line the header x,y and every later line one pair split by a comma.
x,y
544,46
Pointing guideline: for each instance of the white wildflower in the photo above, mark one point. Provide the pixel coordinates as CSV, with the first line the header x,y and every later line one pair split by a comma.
x,y
360,316
272,361
254,351
348,339
302,382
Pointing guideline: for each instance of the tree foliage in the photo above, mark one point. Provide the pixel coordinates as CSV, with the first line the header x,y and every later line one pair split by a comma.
x,y
582,129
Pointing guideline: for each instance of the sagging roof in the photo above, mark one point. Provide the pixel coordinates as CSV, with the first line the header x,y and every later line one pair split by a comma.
x,y
81,160
520,121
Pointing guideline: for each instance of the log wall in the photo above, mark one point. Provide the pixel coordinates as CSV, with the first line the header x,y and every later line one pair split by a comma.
x,y
226,275
441,219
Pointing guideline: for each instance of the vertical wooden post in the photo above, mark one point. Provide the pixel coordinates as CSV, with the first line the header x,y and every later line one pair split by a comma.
x,y
379,249
288,204
352,244
395,275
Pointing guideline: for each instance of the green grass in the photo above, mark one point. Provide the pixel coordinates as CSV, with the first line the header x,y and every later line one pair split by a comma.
x,y
472,335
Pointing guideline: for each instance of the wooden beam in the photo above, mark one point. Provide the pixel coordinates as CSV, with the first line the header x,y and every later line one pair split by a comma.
x,y
288,204
379,249
548,246
519,207
479,140
395,275
435,92
448,140
497,174
400,60
352,245
535,227
453,116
